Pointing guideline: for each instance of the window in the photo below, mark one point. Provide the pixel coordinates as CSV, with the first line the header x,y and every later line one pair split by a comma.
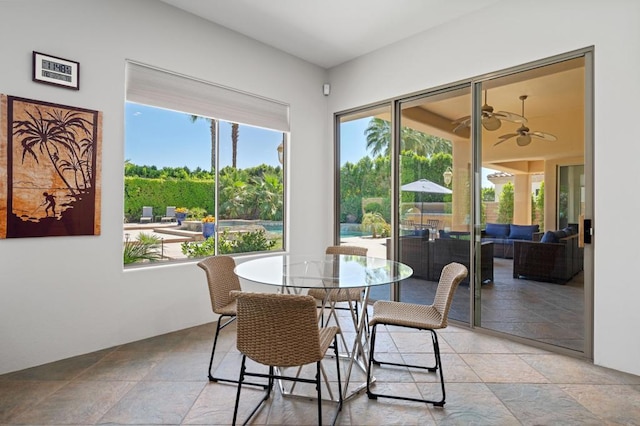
x,y
203,169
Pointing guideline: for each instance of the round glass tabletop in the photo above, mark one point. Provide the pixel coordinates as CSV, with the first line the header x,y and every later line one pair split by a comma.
x,y
327,271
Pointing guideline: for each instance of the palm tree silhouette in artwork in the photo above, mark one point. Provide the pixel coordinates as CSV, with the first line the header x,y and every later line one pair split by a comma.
x,y
66,139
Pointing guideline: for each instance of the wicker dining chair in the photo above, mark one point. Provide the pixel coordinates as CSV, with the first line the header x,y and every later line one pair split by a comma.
x,y
351,295
221,281
422,317
281,330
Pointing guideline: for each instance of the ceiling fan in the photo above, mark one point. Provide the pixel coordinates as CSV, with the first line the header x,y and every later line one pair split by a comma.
x,y
523,133
490,120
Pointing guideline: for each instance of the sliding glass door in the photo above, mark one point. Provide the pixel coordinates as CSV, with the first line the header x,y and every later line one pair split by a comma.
x,y
496,174
363,195
533,194
433,205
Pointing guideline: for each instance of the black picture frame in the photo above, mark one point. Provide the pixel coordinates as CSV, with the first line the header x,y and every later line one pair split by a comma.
x,y
48,69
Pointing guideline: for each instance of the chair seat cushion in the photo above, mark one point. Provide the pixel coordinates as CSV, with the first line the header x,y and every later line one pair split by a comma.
x,y
407,315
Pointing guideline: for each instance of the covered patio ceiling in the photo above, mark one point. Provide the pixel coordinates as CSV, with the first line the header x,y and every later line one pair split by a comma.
x,y
554,104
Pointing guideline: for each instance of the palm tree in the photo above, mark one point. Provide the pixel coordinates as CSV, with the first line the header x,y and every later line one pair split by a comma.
x,y
212,125
234,144
378,134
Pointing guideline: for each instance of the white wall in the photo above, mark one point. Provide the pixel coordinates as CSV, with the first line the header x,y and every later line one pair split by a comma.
x,y
64,296
514,32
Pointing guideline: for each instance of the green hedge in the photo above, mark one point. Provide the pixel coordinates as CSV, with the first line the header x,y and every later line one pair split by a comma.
x,y
160,193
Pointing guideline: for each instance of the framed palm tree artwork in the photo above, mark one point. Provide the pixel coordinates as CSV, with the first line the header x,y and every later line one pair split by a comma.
x,y
49,169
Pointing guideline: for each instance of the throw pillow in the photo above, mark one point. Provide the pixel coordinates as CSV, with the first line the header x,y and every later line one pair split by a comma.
x,y
497,230
568,230
549,237
560,234
523,232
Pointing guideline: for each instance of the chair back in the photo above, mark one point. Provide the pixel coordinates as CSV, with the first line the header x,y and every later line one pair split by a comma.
x,y
221,280
348,250
278,329
147,211
452,274
171,211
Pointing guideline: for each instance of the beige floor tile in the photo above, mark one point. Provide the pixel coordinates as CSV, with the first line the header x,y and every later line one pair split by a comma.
x,y
78,402
502,368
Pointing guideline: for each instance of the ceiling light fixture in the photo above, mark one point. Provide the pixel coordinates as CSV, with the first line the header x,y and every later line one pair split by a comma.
x,y
490,120
524,134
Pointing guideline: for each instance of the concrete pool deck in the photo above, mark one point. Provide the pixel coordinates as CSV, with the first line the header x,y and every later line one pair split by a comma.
x,y
172,237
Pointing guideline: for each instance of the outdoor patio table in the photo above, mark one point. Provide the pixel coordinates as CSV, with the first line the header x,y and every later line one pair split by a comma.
x,y
294,274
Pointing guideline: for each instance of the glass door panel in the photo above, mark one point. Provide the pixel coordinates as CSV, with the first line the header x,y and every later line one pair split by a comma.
x,y
364,184
531,196
434,194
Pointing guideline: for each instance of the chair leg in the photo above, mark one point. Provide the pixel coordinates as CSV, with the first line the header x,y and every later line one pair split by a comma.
x,y
438,366
215,343
220,326
240,380
319,389
335,351
267,394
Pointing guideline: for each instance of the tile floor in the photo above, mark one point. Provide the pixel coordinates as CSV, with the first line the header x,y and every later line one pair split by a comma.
x,y
162,380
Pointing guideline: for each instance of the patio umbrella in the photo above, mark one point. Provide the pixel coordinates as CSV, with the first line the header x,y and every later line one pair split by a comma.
x,y
427,187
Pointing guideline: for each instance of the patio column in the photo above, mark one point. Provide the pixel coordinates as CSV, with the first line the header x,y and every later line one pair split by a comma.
x,y
522,199
460,184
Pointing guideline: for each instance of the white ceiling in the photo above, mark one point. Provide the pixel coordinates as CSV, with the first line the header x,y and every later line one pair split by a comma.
x,y
330,32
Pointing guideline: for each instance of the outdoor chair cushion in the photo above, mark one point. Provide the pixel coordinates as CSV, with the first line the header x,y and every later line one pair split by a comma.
x,y
497,230
523,232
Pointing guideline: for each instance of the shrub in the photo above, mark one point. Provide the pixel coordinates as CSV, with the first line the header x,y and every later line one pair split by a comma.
x,y
199,249
197,213
375,223
144,248
244,243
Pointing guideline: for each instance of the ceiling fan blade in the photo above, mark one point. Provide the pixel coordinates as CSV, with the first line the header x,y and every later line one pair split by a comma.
x,y
460,126
510,116
543,135
506,137
466,118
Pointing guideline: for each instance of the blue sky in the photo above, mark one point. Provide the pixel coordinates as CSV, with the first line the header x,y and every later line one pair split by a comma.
x,y
166,138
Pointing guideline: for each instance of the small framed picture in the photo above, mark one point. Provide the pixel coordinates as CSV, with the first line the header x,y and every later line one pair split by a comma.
x,y
57,71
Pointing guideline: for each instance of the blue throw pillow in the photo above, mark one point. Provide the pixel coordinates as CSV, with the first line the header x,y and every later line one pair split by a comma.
x,y
568,230
523,232
549,237
497,230
560,234
420,232
444,234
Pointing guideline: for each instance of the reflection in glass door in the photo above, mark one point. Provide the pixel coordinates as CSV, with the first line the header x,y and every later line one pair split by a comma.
x,y
532,193
364,183
434,194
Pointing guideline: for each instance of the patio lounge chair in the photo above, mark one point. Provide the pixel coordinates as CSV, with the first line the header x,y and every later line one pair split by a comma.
x,y
147,214
170,215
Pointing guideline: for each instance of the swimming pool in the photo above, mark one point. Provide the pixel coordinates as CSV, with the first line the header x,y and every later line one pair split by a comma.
x,y
346,229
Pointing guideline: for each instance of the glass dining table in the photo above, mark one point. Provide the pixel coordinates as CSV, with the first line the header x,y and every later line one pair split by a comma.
x,y
297,273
